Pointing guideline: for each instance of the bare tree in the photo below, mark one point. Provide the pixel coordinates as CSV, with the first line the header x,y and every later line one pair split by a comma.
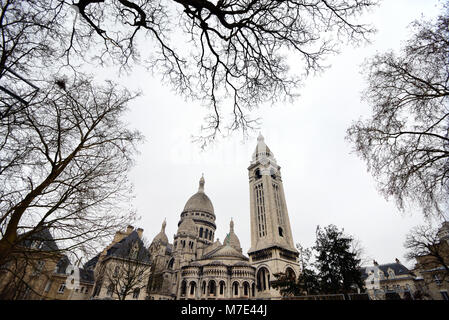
x,y
66,168
224,53
360,252
32,38
406,141
431,253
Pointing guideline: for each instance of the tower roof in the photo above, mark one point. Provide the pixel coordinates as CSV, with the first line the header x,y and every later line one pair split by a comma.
x,y
199,201
262,152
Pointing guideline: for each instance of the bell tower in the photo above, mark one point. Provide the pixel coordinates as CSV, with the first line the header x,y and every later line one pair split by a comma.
x,y
272,249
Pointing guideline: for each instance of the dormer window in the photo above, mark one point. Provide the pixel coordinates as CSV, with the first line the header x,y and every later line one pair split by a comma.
x,y
36,244
437,279
381,275
391,273
134,250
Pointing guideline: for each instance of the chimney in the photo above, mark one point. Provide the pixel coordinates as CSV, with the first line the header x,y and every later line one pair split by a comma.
x,y
375,263
129,229
140,232
119,235
397,261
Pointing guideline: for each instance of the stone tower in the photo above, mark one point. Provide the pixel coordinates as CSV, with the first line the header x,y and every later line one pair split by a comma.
x,y
272,249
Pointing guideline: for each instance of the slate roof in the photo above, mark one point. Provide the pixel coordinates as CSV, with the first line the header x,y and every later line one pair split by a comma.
x,y
87,275
44,236
398,268
90,265
123,248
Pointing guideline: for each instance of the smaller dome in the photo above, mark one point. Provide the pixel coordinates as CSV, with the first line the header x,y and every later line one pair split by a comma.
x,y
187,227
232,239
161,236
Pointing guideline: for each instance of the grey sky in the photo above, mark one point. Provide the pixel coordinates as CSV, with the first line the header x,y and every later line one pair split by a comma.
x,y
323,181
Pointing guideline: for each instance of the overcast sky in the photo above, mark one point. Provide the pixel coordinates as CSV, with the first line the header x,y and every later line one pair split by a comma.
x,y
324,182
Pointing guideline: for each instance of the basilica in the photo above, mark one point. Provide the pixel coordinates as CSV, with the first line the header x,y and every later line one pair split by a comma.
x,y
196,266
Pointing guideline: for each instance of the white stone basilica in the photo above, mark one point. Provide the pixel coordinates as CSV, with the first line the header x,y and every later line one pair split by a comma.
x,y
196,266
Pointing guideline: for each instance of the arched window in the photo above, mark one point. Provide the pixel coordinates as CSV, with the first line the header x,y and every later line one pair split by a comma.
x,y
192,288
212,289
263,279
183,288
235,288
170,263
201,232
245,288
290,273
222,287
253,289
204,287
260,208
206,234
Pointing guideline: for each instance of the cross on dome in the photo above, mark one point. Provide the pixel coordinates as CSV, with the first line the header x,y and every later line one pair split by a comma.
x,y
201,185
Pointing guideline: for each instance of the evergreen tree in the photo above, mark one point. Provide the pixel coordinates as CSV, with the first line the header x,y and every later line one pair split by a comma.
x,y
337,264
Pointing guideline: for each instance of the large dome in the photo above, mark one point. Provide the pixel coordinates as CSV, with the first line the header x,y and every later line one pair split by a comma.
x,y
199,201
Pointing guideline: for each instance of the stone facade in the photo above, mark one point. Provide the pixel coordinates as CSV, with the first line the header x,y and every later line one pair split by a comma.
x,y
432,271
39,271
